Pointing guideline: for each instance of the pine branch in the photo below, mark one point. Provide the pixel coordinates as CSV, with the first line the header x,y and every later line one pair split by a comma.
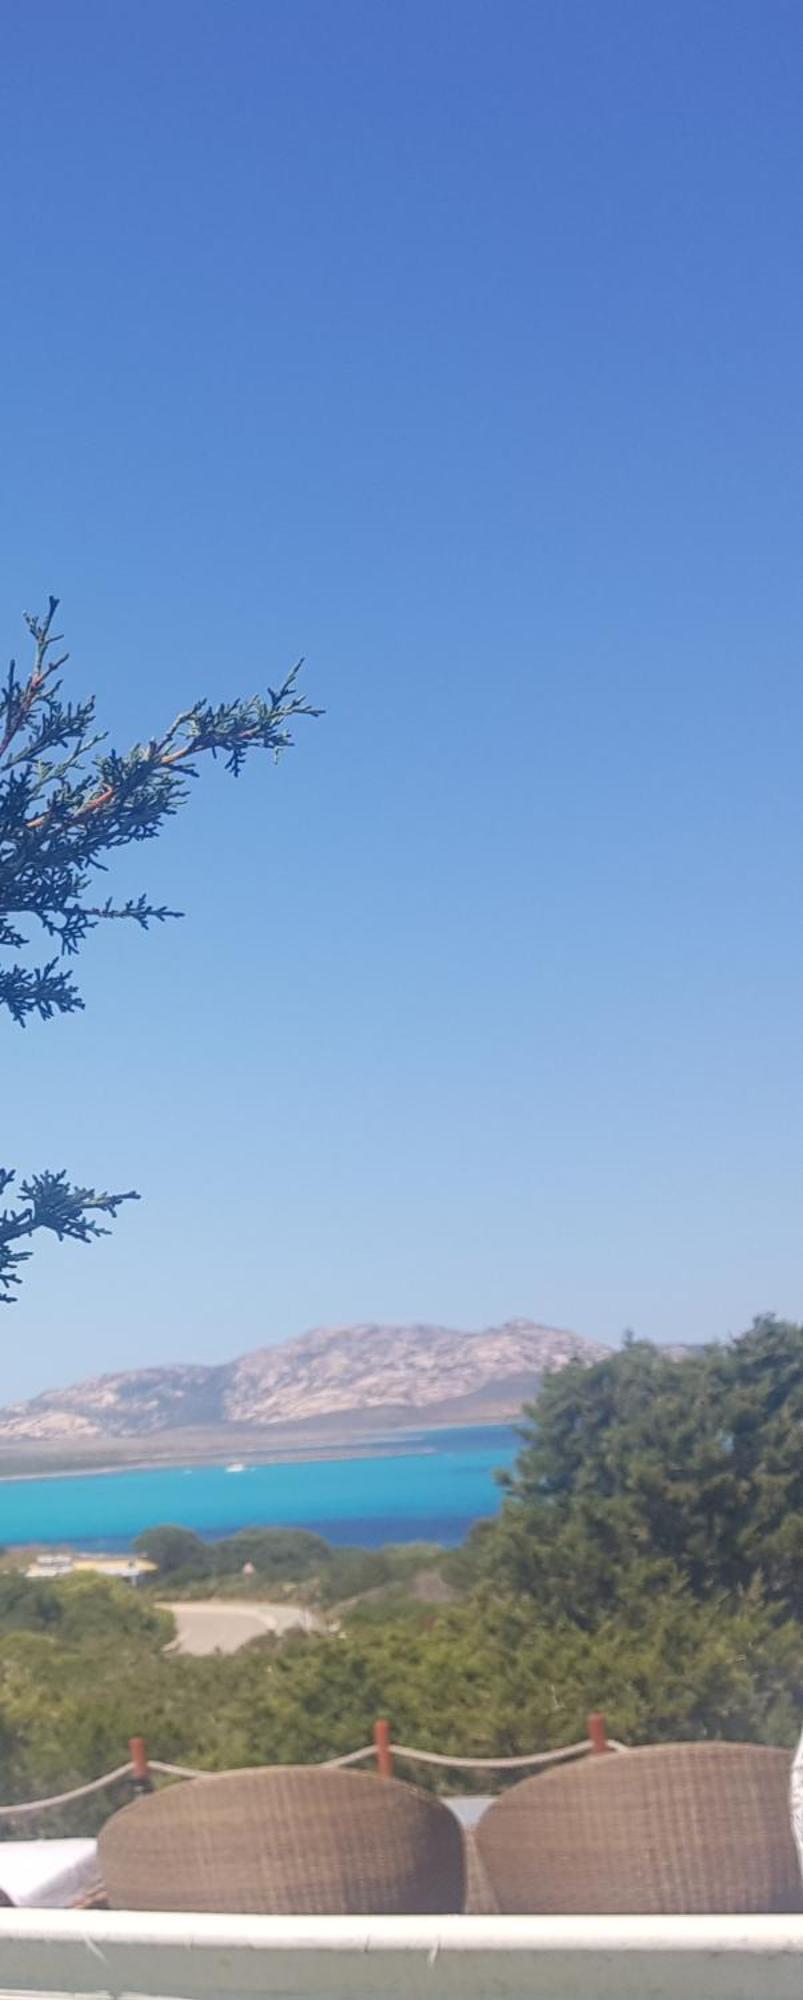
x,y
67,802
49,1202
62,815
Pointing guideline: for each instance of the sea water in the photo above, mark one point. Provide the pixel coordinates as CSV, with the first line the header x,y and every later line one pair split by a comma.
x,y
427,1487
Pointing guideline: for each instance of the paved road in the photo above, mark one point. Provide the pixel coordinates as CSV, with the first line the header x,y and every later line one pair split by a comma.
x,y
221,1626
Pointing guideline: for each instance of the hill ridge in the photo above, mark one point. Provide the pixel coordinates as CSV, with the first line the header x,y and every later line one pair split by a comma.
x,y
369,1366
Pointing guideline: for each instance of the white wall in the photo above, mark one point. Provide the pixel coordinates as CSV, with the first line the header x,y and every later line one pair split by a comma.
x,y
442,1958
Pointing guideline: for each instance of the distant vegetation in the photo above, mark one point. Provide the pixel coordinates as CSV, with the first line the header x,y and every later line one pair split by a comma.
x,y
647,1560
279,1561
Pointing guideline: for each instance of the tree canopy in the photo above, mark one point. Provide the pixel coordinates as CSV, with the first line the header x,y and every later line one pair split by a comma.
x,y
276,1558
68,801
646,1468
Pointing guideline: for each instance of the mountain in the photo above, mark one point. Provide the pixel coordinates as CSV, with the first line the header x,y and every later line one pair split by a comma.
x,y
394,1374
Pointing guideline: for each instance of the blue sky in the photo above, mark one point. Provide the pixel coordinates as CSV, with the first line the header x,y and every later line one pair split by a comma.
x,y
457,347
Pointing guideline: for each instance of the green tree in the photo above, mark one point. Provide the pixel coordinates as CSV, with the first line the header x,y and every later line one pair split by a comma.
x,y
67,803
27,1606
175,1549
278,1555
646,1468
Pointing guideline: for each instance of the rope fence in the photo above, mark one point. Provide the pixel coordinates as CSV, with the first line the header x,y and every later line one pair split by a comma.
x,y
568,1750
66,1798
140,1769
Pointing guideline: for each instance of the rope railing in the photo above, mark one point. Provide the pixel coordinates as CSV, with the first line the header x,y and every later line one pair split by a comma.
x,y
412,1756
66,1798
382,1749
566,1751
352,1757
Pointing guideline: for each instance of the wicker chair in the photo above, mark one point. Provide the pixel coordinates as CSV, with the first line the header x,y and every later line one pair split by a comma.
x,y
291,1840
681,1829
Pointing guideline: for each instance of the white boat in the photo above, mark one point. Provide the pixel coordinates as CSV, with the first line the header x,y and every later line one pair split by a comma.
x,y
235,1468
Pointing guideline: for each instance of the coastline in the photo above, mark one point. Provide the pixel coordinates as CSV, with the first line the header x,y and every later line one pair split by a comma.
x,y
191,1450
310,1454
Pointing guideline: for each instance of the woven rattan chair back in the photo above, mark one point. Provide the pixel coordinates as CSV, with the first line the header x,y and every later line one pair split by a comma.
x,y
681,1829
288,1840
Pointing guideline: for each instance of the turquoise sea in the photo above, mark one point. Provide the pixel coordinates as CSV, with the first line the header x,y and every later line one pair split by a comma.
x,y
431,1489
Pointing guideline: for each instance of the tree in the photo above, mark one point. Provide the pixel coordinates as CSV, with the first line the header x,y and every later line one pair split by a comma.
x,y
646,1468
173,1549
67,802
277,1555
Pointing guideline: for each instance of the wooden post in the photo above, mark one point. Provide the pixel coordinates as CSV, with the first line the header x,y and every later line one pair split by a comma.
x,y
141,1777
384,1754
598,1735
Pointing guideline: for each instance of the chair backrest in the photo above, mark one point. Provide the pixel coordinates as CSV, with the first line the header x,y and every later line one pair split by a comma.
x,y
291,1840
679,1829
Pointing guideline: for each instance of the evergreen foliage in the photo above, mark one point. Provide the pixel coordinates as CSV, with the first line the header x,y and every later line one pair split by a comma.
x,y
279,1558
646,1469
67,803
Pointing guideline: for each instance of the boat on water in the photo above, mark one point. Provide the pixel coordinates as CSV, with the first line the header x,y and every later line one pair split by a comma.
x,y
236,1468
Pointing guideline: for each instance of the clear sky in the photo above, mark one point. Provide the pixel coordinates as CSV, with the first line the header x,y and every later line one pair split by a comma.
x,y
458,347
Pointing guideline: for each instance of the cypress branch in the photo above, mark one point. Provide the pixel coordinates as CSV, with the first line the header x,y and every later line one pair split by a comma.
x,y
67,801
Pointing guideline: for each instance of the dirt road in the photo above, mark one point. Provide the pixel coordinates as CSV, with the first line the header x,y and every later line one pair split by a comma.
x,y
221,1625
